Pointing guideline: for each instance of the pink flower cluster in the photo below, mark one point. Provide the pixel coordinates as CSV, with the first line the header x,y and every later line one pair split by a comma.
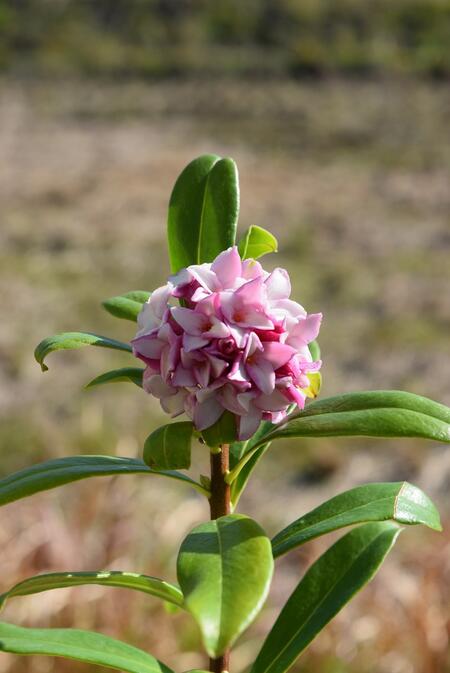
x,y
236,343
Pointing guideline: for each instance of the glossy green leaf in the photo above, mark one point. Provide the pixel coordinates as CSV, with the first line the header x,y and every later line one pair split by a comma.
x,y
257,242
169,447
224,431
73,340
92,648
224,569
314,349
220,211
237,451
401,502
126,306
203,211
379,413
324,590
376,399
366,422
114,578
128,374
53,473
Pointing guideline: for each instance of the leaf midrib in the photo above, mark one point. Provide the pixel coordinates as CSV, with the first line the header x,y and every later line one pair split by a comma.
x,y
353,509
96,652
320,603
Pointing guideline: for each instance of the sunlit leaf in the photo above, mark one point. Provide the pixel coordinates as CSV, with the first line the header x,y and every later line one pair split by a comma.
x,y
257,242
237,452
113,578
169,447
126,306
224,431
401,502
93,648
327,586
203,211
224,570
372,414
314,349
315,384
73,340
53,473
128,374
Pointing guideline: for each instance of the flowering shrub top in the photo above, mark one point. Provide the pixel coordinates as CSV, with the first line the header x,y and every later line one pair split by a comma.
x,y
237,343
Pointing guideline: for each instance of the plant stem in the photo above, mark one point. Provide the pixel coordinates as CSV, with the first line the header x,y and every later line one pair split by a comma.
x,y
220,505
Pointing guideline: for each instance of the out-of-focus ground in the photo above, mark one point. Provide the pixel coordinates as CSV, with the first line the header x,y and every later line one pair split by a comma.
x,y
353,180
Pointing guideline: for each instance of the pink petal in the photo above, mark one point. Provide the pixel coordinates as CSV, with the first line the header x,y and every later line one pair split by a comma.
x,y
239,335
293,394
252,292
277,354
191,321
174,404
207,413
252,269
253,344
183,377
191,343
218,329
227,266
230,400
201,372
262,374
149,347
217,365
249,424
305,331
204,275
274,402
158,387
278,285
159,298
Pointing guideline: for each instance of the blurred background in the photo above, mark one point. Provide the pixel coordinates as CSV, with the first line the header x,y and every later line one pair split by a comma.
x,y
337,113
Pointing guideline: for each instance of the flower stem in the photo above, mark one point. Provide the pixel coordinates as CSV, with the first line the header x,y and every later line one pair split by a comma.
x,y
220,505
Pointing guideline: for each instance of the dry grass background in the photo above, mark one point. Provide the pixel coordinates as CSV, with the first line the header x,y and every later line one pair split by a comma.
x,y
353,180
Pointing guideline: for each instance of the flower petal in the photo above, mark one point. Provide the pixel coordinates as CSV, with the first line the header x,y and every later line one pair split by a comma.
x,y
277,354
249,424
207,413
227,267
278,285
262,374
305,331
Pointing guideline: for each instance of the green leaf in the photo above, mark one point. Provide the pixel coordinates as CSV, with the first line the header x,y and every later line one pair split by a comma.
x,y
126,306
53,473
73,340
93,648
401,502
257,242
237,451
326,587
129,374
367,422
169,447
224,570
203,211
382,413
114,578
376,399
220,211
223,431
314,349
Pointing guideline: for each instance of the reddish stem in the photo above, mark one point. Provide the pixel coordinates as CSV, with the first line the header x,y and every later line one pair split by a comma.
x,y
220,505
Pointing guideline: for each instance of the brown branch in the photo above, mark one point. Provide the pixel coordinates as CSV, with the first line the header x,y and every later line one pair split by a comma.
x,y
220,505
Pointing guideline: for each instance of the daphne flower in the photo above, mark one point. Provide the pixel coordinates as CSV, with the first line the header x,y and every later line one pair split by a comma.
x,y
238,343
